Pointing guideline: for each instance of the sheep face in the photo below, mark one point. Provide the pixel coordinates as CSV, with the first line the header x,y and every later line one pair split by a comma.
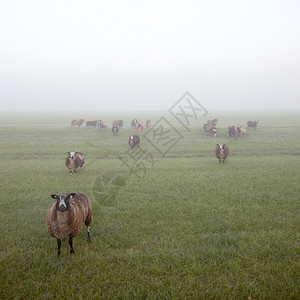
x,y
221,146
62,201
72,155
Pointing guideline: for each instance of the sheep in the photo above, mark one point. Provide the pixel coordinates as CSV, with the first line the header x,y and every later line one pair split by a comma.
x,y
240,131
115,129
212,122
222,152
133,141
148,123
252,124
134,123
140,127
66,215
74,160
77,122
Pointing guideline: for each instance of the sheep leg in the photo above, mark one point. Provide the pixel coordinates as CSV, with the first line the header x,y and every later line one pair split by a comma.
x,y
88,228
71,245
220,161
58,246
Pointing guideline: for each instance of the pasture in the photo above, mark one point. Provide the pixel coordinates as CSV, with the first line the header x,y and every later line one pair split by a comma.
x,y
180,227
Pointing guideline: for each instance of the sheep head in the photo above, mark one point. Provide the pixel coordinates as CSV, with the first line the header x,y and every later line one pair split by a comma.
x,y
62,201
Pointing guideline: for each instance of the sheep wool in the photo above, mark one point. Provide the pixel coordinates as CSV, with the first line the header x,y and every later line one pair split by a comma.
x,y
66,215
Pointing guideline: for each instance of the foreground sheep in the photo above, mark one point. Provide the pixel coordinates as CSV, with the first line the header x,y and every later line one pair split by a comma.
x,y
222,152
66,215
74,160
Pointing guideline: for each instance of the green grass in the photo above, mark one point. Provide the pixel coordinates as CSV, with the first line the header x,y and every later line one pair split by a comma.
x,y
189,228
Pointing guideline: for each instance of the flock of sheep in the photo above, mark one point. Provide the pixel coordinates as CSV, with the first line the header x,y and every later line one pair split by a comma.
x,y
67,213
234,130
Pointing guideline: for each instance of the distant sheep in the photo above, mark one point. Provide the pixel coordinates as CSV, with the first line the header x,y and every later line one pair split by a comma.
x,y
236,131
240,131
66,215
231,130
92,123
103,124
134,123
120,123
212,122
115,129
222,152
133,141
74,160
148,123
77,122
252,124
140,127
210,129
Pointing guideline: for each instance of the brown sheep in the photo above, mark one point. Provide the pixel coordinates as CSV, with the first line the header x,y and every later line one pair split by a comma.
x,y
74,160
133,141
252,124
222,152
77,122
65,217
115,129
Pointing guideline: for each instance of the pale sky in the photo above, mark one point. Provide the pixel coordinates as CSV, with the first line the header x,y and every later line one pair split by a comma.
x,y
144,55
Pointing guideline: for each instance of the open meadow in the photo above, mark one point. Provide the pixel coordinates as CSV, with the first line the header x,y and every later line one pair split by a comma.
x,y
169,222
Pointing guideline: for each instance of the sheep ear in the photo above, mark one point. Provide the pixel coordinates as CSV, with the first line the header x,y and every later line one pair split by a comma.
x,y
54,196
68,153
72,195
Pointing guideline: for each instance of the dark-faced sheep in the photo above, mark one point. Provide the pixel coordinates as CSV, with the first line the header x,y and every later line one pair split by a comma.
x,y
65,217
115,129
222,152
74,160
133,141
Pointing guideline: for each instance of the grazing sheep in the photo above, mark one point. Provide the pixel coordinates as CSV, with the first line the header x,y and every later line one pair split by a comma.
x,y
77,122
103,124
252,124
74,160
133,141
66,215
222,152
92,123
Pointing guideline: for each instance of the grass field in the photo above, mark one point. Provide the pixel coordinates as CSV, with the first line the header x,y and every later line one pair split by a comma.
x,y
179,226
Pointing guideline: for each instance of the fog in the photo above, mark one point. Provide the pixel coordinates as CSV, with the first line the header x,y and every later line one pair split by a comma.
x,y
144,55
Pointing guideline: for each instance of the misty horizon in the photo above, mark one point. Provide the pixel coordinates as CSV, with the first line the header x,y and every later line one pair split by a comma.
x,y
127,56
